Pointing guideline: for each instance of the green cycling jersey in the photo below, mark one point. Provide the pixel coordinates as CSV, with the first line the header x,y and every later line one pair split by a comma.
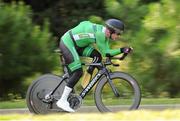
x,y
87,33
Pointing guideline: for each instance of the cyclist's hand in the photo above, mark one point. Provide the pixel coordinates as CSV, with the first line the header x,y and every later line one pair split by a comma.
x,y
126,50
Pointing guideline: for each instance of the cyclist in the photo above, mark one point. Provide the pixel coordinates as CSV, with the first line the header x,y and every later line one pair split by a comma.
x,y
78,42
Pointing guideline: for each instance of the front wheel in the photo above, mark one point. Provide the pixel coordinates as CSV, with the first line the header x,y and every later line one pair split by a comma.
x,y
128,90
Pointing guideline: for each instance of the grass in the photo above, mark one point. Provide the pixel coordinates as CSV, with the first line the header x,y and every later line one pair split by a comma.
x,y
144,101
13,104
138,115
154,101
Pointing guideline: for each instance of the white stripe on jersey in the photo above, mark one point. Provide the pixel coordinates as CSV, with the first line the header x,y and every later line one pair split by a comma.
x,y
83,36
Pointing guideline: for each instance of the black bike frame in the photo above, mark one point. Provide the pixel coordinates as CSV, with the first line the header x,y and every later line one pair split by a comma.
x,y
104,71
91,84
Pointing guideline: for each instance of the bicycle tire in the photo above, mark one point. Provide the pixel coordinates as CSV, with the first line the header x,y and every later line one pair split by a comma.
x,y
116,75
44,83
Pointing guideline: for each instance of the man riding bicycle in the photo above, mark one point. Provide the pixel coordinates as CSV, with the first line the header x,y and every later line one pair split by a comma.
x,y
78,42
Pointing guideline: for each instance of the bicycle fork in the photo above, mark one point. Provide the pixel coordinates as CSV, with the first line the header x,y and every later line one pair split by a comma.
x,y
115,91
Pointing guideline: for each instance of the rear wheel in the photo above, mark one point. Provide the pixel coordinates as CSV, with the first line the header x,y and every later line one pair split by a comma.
x,y
37,91
129,93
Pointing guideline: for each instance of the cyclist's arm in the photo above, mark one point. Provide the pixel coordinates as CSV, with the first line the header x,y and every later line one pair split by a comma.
x,y
103,46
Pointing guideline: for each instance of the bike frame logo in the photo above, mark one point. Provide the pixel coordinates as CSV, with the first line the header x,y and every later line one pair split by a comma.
x,y
90,85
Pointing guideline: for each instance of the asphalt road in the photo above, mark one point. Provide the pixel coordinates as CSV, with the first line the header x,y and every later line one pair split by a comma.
x,y
93,109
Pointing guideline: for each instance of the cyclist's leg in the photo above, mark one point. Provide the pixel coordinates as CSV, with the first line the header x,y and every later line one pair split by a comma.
x,y
72,60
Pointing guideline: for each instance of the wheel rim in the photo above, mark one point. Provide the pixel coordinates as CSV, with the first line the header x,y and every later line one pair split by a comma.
x,y
100,96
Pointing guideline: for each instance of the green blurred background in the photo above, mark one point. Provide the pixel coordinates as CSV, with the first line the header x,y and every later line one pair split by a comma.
x,y
30,31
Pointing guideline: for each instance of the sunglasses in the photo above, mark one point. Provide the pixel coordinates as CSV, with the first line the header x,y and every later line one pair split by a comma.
x,y
118,33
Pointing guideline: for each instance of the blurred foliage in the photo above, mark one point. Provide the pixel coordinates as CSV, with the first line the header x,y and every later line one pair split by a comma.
x,y
25,48
157,59
154,31
63,14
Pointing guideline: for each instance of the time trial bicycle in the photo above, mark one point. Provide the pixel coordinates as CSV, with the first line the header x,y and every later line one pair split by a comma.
x,y
114,90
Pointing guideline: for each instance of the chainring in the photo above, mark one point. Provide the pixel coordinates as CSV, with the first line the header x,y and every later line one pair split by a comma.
x,y
75,101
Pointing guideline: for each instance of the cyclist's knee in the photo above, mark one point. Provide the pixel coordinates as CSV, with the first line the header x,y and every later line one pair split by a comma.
x,y
97,58
74,66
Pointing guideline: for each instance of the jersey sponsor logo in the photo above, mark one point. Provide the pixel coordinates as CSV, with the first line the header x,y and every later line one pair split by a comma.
x,y
83,36
90,85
